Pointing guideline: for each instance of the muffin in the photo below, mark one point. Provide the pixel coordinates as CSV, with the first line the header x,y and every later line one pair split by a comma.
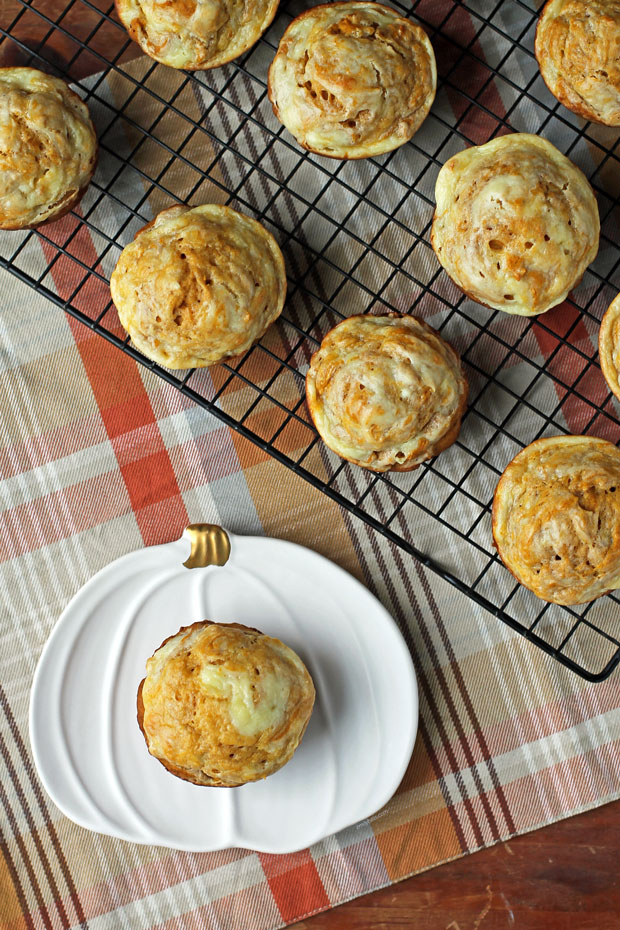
x,y
223,704
48,148
351,80
577,44
195,34
386,392
609,346
198,285
516,223
556,518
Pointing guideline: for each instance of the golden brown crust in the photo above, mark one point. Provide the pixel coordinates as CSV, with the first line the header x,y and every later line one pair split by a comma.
x,y
69,204
516,223
352,79
609,346
175,769
222,704
48,148
386,392
577,51
198,285
556,518
196,34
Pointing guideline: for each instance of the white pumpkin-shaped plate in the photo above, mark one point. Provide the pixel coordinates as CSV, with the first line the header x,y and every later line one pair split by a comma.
x,y
91,755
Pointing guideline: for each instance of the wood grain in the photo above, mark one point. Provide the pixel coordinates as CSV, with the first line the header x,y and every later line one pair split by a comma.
x,y
562,876
566,875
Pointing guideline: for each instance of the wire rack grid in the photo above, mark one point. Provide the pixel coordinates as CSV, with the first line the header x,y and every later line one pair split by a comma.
x,y
355,239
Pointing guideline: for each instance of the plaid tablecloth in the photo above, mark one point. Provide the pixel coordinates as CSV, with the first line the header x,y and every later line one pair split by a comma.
x,y
99,457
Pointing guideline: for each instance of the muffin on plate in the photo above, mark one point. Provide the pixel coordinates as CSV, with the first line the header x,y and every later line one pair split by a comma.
x,y
195,34
516,223
386,392
577,44
556,518
198,285
48,148
222,704
609,346
352,79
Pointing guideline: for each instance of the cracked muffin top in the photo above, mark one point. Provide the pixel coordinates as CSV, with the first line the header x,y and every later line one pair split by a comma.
x,y
578,52
195,34
223,704
48,148
556,518
386,392
516,223
198,285
351,80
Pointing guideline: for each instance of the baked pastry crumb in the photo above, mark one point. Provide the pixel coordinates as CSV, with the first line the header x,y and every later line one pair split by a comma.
x,y
609,346
48,148
577,46
516,223
198,285
196,34
223,705
352,79
556,518
386,392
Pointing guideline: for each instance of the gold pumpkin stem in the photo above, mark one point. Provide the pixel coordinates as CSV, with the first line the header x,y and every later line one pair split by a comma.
x,y
210,545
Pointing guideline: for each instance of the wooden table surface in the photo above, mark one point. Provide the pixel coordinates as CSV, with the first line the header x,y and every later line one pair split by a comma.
x,y
563,876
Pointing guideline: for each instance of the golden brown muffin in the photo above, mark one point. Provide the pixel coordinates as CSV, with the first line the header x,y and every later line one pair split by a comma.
x,y
196,34
351,80
223,704
48,148
198,285
577,45
516,223
609,346
556,518
386,392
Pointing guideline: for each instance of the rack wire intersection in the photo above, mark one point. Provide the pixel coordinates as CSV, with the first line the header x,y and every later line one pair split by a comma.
x,y
355,239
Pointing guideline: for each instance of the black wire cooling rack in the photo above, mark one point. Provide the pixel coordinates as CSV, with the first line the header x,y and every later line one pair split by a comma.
x,y
355,239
